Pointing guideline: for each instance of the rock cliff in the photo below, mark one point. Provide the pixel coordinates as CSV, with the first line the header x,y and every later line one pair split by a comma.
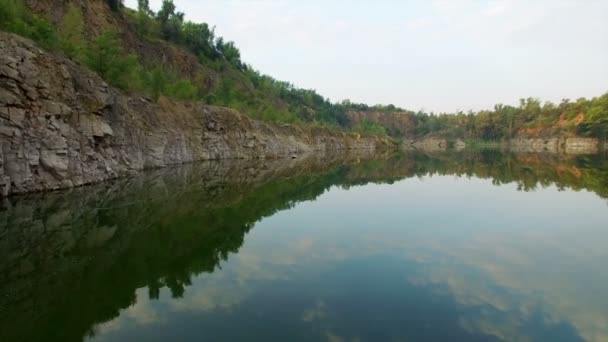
x,y
397,124
62,126
568,145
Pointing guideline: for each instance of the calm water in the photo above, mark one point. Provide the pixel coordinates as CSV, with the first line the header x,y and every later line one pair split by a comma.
x,y
480,247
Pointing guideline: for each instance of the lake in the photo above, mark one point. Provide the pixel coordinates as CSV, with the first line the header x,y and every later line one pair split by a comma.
x,y
477,246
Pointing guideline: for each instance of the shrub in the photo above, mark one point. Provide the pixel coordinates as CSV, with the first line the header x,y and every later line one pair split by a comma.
x,y
15,18
107,57
71,33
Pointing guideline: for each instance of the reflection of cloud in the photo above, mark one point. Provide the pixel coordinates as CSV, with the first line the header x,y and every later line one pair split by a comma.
x,y
140,313
515,273
315,313
508,277
522,272
332,337
209,297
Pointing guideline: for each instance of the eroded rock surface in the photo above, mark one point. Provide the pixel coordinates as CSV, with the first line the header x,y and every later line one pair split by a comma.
x,y
572,145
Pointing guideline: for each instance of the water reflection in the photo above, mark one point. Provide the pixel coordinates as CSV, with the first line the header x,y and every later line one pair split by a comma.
x,y
407,256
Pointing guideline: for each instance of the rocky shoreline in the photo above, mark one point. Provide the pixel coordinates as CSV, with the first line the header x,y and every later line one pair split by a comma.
x,y
565,145
61,126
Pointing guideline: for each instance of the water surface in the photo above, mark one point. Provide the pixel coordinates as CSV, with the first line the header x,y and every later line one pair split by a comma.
x,y
471,246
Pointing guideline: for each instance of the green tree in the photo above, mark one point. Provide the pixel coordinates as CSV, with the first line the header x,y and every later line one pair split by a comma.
x,y
143,6
230,52
199,38
115,5
144,21
167,10
596,122
170,21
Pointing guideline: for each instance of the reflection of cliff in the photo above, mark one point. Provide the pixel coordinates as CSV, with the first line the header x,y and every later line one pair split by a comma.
x,y
73,259
529,171
76,258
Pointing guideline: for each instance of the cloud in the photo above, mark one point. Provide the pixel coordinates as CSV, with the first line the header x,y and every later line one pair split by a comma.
x,y
496,8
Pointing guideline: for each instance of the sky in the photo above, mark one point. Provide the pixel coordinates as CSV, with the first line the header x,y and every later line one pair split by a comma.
x,y
435,55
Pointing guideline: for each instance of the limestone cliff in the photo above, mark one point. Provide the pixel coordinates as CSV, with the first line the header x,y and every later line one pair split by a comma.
x,y
397,124
568,145
62,126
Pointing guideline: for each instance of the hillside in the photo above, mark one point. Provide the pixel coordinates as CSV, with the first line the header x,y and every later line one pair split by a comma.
x,y
163,55
62,126
160,54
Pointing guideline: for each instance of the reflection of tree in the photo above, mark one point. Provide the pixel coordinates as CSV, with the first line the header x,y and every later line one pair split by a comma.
x,y
170,226
72,259
528,171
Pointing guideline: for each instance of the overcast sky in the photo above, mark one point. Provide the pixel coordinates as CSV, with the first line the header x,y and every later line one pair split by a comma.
x,y
442,55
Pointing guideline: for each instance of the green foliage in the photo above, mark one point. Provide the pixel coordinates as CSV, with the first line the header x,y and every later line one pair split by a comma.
x,y
240,86
229,51
596,123
143,6
199,38
107,57
155,82
531,118
71,33
166,11
145,24
15,18
115,5
158,81
183,90
170,21
369,127
12,15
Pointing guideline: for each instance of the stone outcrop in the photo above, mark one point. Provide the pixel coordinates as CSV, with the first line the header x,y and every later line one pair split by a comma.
x,y
460,145
62,126
430,144
396,123
572,145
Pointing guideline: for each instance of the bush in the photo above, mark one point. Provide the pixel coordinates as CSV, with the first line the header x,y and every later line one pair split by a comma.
x,y
107,57
15,18
71,33
115,5
369,127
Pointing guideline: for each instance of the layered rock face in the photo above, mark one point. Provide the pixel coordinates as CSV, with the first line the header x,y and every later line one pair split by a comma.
x,y
400,124
431,144
556,145
62,126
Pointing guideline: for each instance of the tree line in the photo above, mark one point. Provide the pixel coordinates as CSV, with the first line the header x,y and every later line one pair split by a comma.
x,y
583,117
